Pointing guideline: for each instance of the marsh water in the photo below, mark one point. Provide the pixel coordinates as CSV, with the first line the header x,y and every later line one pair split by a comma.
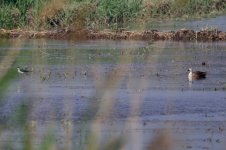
x,y
218,22
131,89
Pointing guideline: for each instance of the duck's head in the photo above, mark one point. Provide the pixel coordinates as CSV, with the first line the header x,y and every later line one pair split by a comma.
x,y
189,70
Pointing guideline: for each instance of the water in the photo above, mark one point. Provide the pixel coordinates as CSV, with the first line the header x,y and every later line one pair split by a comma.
x,y
137,89
218,22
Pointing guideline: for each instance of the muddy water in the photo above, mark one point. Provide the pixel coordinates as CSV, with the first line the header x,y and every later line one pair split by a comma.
x,y
132,89
218,22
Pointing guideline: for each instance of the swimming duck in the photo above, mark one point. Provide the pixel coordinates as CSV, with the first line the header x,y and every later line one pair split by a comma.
x,y
196,75
22,70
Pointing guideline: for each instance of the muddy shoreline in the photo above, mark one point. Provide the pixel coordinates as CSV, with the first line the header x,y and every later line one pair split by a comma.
x,y
155,35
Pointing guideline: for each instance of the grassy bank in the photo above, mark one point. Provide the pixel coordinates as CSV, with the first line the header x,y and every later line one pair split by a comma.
x,y
50,14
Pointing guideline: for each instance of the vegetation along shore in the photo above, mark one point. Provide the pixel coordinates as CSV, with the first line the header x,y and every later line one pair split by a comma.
x,y
99,14
89,19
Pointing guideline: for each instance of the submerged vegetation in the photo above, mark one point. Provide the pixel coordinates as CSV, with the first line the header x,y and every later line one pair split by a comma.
x,y
77,14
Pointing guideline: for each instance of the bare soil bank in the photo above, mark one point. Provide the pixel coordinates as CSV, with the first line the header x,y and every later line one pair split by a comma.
x,y
180,35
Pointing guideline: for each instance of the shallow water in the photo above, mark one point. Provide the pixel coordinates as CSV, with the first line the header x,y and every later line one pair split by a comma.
x,y
218,22
137,89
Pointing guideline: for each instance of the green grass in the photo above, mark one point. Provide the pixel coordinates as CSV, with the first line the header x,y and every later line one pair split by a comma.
x,y
6,81
183,8
50,14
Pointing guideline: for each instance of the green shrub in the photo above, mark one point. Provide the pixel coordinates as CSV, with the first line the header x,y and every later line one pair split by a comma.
x,y
118,11
9,17
87,13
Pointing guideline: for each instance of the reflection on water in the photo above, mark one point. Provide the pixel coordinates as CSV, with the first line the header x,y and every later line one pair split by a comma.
x,y
149,79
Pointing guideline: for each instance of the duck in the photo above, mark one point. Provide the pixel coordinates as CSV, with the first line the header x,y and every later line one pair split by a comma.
x,y
22,70
197,75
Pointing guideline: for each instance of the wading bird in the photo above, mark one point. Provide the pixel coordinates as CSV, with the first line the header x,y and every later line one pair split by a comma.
x,y
23,70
